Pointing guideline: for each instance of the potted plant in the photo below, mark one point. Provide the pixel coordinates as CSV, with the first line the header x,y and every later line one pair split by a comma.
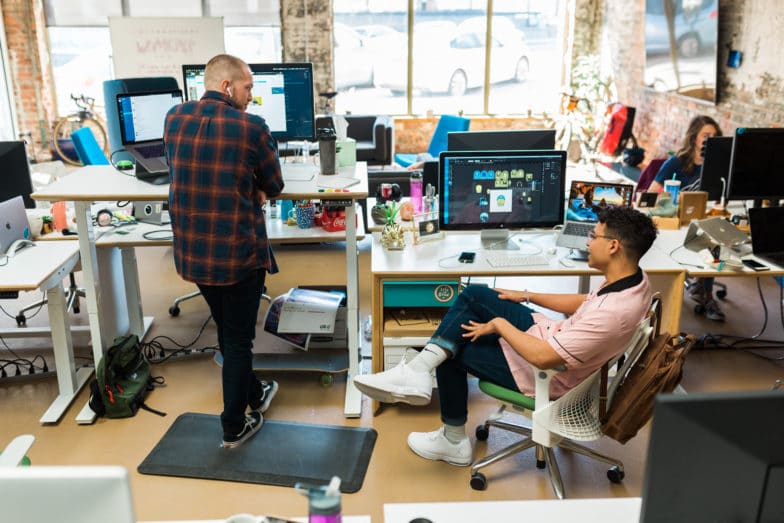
x,y
392,235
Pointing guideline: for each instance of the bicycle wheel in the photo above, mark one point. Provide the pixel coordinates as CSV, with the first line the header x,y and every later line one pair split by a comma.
x,y
62,145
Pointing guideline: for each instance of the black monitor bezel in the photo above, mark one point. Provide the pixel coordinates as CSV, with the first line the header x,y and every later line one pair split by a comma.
x,y
267,68
456,139
20,183
483,154
733,192
717,148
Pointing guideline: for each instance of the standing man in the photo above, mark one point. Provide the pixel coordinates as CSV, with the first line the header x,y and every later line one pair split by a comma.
x,y
224,164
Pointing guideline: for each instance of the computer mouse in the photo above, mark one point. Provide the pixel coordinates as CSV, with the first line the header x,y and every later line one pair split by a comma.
x,y
552,250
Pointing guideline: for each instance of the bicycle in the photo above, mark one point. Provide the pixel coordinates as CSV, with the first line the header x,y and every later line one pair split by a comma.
x,y
84,117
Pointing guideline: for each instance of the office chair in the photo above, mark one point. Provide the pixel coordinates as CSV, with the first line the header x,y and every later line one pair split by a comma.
x,y
87,148
562,422
174,310
446,124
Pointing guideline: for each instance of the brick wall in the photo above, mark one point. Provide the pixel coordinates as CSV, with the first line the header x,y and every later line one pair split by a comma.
x,y
748,96
31,73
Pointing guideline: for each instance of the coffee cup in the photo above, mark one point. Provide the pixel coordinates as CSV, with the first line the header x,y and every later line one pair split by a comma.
x,y
673,187
285,207
304,215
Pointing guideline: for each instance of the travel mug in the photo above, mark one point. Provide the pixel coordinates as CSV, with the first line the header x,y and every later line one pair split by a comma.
x,y
327,153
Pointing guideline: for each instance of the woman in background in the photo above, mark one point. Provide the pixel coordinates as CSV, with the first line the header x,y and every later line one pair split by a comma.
x,y
686,166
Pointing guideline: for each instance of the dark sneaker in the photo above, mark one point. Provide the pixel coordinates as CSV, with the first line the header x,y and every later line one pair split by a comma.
x,y
713,311
253,422
696,292
268,391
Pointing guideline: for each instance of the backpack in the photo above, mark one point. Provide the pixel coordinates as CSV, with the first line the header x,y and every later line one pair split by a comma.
x,y
658,368
122,380
619,129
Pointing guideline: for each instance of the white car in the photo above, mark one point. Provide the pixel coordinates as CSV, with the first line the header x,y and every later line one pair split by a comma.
x,y
450,58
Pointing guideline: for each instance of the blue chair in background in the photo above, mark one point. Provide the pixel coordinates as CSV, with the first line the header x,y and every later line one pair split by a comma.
x,y
446,124
87,148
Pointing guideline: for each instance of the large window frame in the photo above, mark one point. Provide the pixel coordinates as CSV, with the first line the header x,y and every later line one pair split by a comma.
x,y
8,125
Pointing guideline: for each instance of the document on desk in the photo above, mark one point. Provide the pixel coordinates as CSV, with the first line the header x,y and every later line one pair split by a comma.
x,y
335,182
299,173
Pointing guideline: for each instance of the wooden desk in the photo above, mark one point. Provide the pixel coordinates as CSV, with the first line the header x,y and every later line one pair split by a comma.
x,y
44,267
438,260
111,276
617,510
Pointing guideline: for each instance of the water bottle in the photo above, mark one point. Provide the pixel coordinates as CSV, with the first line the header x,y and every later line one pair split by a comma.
x,y
323,501
327,141
416,191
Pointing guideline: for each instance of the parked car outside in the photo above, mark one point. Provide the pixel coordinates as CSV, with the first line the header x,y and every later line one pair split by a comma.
x,y
354,60
695,26
450,58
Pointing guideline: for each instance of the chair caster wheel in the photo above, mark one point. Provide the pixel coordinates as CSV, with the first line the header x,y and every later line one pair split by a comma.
x,y
540,464
21,321
478,481
615,474
721,294
174,311
482,432
326,380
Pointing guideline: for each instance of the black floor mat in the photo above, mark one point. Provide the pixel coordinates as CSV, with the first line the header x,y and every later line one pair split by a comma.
x,y
282,453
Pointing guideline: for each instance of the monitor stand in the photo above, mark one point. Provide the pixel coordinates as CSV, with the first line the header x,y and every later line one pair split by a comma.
x,y
497,240
578,254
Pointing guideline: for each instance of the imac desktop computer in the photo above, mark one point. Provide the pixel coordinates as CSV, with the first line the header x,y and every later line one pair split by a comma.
x,y
715,457
493,192
282,95
507,140
756,165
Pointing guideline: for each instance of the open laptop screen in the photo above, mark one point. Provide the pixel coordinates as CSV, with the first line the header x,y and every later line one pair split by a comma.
x,y
142,114
587,198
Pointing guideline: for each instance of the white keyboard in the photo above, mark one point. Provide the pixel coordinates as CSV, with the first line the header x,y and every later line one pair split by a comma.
x,y
516,260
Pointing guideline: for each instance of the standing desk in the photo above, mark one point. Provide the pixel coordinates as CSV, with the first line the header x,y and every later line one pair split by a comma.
x,y
111,277
437,259
44,267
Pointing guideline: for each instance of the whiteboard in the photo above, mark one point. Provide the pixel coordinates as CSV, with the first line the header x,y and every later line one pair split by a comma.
x,y
149,46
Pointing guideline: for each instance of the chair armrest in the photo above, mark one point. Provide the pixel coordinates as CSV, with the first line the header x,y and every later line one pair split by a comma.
x,y
382,139
15,452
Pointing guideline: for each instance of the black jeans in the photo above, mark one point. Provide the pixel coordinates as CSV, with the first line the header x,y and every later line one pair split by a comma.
x,y
483,358
234,309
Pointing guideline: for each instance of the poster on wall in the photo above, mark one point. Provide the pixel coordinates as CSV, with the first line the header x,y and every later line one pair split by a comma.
x,y
146,46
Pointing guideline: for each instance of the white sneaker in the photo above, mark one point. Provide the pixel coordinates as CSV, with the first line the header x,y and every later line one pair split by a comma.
x,y
435,446
399,384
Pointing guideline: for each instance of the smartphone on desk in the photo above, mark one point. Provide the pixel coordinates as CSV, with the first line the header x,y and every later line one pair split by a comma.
x,y
755,265
467,257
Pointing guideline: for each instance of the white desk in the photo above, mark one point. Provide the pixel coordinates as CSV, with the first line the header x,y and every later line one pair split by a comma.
x,y
616,510
345,519
44,267
437,259
111,277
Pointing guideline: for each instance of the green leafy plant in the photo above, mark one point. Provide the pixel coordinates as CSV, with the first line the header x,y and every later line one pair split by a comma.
x,y
391,211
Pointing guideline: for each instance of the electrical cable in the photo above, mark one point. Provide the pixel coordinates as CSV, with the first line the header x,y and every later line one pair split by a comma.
x,y
154,347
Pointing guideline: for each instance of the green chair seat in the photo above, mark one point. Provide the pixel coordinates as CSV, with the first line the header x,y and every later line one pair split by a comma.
x,y
514,397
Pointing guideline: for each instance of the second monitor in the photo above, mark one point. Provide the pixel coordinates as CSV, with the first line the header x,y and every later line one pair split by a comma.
x,y
507,140
496,191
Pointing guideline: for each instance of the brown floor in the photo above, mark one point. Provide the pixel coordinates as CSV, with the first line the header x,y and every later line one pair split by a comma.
x,y
395,474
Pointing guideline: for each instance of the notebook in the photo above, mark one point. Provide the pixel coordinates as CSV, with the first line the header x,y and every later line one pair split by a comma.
x,y
585,201
141,129
13,223
767,242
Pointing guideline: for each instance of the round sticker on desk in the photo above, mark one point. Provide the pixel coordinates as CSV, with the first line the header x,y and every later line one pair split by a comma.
x,y
443,293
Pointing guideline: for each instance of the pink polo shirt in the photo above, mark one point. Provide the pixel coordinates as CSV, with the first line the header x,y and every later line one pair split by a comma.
x,y
600,329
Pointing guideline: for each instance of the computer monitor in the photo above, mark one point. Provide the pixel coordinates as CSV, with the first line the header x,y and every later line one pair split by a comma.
x,y
496,191
715,171
507,140
15,178
66,494
715,457
282,95
756,165
142,115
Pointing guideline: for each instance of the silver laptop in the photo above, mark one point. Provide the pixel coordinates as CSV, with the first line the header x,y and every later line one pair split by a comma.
x,y
707,233
586,199
141,128
13,223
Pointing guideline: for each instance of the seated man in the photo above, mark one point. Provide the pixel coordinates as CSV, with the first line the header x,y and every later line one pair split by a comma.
x,y
488,334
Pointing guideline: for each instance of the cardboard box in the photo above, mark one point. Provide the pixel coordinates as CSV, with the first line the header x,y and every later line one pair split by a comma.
x,y
412,322
663,223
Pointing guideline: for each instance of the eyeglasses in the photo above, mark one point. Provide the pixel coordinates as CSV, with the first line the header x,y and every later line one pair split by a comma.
x,y
592,236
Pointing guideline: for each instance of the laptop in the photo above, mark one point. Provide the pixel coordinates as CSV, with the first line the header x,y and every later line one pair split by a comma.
x,y
586,199
767,242
141,118
707,233
13,223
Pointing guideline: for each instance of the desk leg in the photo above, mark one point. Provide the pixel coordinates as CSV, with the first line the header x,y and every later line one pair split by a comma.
x,y
353,404
84,223
377,313
133,293
671,288
69,380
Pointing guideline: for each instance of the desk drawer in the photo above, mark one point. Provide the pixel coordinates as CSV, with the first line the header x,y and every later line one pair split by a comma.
x,y
420,293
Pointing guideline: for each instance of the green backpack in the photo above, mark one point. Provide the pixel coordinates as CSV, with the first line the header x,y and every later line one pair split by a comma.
x,y
123,380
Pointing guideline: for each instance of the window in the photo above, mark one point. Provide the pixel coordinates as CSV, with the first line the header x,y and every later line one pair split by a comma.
x,y
81,46
6,120
449,50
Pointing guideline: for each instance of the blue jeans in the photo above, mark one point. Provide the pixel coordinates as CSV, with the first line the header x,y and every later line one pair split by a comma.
x,y
483,358
234,309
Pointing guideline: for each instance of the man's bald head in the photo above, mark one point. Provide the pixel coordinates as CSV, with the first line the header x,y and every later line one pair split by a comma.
x,y
223,67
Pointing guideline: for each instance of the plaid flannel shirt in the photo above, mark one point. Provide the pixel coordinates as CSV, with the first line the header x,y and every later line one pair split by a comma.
x,y
220,158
